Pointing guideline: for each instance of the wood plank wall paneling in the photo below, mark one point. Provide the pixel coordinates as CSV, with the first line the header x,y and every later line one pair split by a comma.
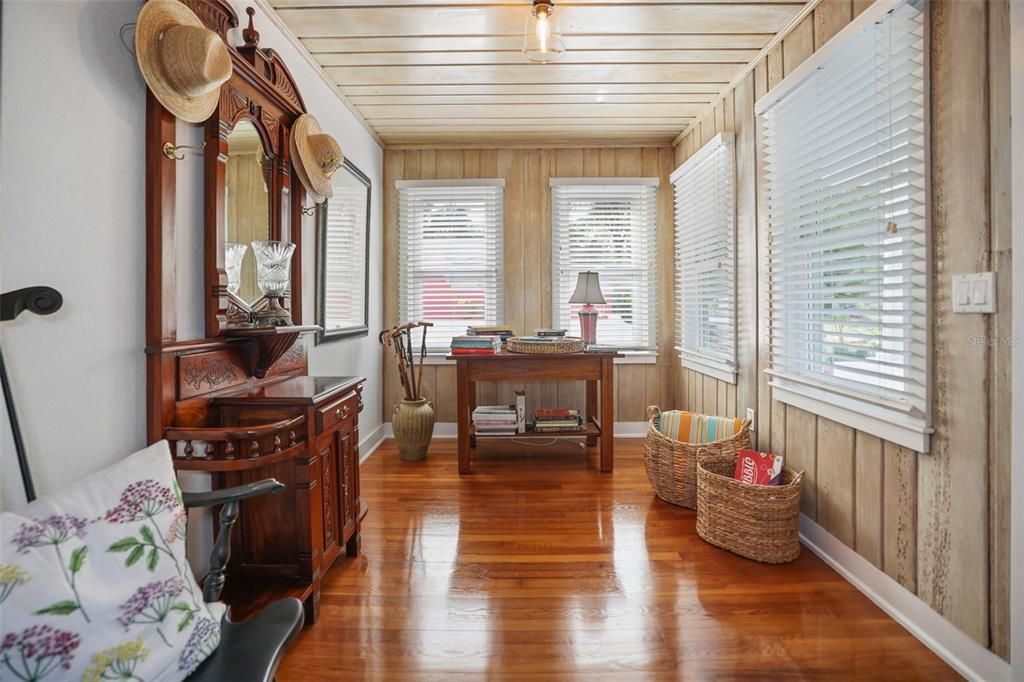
x,y
953,479
937,523
527,263
1000,419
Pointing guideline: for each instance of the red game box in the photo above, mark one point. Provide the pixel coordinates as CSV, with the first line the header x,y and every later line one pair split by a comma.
x,y
758,468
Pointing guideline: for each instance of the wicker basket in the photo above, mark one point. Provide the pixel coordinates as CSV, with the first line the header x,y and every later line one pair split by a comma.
x,y
759,522
672,465
566,345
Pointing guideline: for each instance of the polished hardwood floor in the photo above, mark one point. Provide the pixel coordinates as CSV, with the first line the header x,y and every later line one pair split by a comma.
x,y
538,566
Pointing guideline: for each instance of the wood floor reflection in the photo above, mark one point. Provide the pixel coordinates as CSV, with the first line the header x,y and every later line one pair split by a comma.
x,y
537,566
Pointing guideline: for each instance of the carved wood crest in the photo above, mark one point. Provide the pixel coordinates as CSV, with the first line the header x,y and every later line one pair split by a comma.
x,y
216,14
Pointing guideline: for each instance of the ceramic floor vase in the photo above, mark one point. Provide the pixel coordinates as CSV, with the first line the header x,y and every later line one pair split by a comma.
x,y
413,423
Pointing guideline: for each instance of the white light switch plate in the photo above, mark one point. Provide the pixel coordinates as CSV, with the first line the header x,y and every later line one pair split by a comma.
x,y
974,293
750,416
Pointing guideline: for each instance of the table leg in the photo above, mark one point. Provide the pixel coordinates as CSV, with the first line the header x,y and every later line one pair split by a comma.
x,y
591,411
463,387
472,406
607,414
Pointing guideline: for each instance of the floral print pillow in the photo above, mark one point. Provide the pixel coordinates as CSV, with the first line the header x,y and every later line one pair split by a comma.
x,y
94,584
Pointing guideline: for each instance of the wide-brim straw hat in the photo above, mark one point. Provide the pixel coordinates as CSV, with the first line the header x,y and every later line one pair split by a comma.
x,y
301,174
316,156
184,63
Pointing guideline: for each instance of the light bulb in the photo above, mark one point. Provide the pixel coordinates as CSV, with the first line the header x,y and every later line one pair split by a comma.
x,y
542,39
543,31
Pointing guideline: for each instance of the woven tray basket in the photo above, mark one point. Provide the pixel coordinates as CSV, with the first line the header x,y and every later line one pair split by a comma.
x,y
672,465
569,345
759,522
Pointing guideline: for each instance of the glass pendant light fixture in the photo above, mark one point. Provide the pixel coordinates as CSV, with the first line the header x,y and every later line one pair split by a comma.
x,y
542,39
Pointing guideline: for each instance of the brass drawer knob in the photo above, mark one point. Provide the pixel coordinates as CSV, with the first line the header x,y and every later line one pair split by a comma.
x,y
341,412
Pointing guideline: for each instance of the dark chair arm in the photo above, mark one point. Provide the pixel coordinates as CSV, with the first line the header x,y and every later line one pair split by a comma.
x,y
228,498
235,494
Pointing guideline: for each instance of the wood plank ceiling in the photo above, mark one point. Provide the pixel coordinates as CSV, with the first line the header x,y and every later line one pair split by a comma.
x,y
451,72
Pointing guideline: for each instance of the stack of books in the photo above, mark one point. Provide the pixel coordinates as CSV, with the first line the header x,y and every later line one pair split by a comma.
x,y
550,333
556,420
503,332
495,420
552,340
476,345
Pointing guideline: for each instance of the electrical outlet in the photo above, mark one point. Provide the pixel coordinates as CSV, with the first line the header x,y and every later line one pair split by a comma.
x,y
750,416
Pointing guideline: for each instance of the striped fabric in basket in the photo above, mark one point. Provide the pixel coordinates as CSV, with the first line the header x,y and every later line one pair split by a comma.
x,y
690,427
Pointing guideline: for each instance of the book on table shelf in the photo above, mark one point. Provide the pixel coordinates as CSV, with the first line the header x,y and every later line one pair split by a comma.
x,y
503,332
538,428
521,411
475,345
495,420
556,420
473,351
554,412
601,348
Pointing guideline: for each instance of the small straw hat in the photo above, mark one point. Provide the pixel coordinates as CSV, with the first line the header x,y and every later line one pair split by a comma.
x,y
184,63
316,156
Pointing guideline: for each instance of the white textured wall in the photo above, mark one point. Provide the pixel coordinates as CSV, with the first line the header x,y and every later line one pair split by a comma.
x,y
72,216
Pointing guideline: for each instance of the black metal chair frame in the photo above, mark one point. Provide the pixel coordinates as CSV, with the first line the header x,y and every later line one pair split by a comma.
x,y
250,650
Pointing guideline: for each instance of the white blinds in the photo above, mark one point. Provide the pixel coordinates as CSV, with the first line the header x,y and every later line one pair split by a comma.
x,y
344,256
607,225
450,255
705,222
845,182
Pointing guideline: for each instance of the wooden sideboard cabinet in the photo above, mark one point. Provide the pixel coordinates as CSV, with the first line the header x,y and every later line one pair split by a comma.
x,y
298,536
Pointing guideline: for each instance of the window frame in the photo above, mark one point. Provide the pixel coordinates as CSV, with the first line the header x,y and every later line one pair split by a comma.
x,y
694,358
654,182
875,416
438,351
325,335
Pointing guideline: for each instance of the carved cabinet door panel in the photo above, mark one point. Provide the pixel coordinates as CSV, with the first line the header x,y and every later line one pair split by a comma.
x,y
332,503
346,451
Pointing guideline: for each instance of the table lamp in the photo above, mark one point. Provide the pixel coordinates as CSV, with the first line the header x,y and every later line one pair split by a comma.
x,y
588,292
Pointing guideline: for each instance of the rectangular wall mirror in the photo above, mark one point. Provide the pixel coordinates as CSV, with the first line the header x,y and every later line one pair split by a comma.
x,y
343,253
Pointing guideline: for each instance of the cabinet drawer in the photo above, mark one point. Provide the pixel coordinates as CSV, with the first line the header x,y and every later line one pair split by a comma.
x,y
338,411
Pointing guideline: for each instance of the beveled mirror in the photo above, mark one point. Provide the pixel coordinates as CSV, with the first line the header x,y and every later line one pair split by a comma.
x,y
247,204
251,194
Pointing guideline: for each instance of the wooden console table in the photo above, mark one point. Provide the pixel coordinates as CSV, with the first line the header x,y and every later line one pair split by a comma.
x,y
593,368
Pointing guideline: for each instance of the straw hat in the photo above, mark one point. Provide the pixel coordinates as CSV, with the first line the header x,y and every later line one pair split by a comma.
x,y
184,63
316,156
301,174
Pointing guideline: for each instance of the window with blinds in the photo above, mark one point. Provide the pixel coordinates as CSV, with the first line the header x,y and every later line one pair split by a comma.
x,y
343,256
450,255
607,225
705,222
845,185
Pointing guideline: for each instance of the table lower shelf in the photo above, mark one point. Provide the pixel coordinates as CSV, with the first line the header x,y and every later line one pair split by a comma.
x,y
590,430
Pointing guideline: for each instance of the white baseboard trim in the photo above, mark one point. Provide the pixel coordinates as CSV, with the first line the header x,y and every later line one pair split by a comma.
x,y
450,430
369,445
959,650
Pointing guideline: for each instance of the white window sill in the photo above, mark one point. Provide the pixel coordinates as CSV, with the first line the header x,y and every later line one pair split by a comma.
x,y
718,370
630,358
637,357
887,424
435,359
